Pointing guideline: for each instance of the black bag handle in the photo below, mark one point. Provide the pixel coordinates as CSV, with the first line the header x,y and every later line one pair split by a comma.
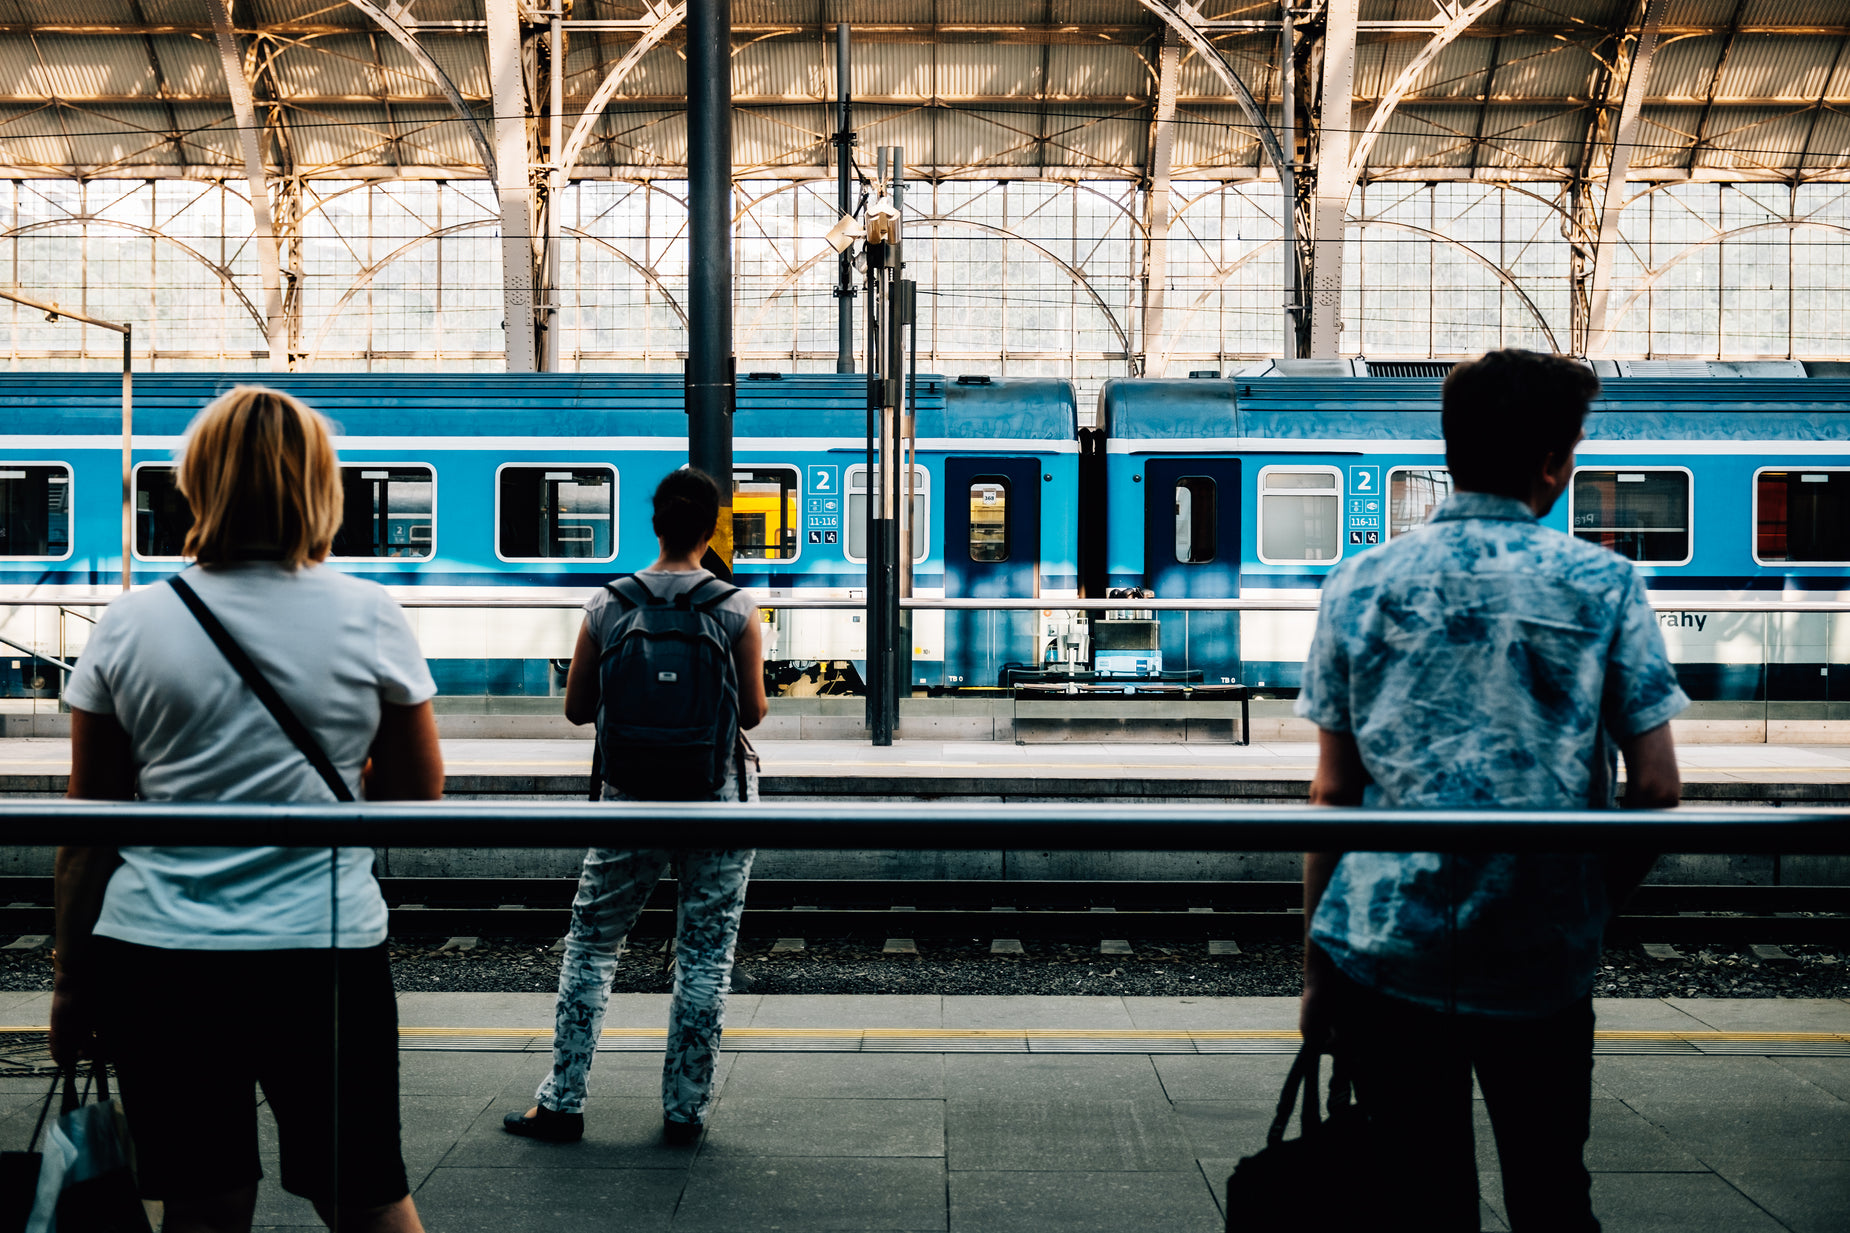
x,y
1305,1074
286,719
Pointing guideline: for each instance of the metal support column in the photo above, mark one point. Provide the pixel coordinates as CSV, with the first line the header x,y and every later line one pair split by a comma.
x,y
890,307
709,379
1329,212
844,196
250,141
1624,138
1156,203
549,320
513,180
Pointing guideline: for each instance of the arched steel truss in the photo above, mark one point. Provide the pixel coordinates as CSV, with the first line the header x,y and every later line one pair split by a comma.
x,y
1653,276
95,220
369,273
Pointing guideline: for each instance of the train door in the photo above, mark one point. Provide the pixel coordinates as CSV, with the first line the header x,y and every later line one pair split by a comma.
x,y
1191,550
992,550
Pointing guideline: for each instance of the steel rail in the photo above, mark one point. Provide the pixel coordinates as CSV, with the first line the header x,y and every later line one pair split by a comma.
x,y
924,827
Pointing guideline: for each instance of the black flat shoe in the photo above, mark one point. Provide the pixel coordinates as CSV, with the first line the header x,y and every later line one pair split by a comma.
x,y
680,1134
546,1125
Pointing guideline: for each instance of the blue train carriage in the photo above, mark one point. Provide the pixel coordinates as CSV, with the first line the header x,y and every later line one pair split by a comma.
x,y
994,492
462,487
1322,468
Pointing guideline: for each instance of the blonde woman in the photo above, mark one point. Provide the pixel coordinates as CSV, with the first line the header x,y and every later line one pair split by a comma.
x,y
223,955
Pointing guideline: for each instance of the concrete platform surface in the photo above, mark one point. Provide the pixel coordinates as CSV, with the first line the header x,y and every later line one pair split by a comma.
x,y
927,759
946,1141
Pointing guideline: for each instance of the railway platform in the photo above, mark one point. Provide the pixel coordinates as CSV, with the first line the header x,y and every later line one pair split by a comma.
x,y
904,1114
925,767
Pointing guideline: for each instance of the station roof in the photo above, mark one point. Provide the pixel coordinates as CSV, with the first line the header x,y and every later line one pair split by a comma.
x,y
1739,89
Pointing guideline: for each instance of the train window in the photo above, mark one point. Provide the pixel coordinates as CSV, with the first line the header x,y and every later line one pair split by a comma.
x,y
856,526
1641,513
1802,516
387,512
35,510
764,514
162,516
558,512
1197,512
989,519
1300,515
1413,494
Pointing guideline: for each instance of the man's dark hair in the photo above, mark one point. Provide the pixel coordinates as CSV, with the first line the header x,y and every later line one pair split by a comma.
x,y
1507,411
686,509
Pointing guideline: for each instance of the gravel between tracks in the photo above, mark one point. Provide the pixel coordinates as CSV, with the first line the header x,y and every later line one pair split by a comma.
x,y
965,966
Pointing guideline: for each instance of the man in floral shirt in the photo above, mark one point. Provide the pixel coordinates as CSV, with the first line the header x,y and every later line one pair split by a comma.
x,y
1482,662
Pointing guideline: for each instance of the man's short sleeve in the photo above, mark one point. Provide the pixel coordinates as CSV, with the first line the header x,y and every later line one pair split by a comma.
x,y
1641,686
403,674
1324,696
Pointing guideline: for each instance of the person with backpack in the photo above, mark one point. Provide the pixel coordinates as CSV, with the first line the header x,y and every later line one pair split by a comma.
x,y
669,666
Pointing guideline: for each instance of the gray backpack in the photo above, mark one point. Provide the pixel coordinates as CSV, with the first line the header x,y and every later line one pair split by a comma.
x,y
668,698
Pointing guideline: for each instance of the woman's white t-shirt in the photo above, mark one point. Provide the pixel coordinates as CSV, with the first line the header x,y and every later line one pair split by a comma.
x,y
336,648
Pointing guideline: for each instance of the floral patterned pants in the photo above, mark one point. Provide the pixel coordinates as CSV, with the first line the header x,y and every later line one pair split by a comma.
x,y
612,889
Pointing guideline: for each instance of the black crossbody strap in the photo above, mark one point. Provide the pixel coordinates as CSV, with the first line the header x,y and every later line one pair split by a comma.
x,y
286,719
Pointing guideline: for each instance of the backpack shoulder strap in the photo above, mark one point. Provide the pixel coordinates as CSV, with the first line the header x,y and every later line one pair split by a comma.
x,y
291,724
721,592
628,597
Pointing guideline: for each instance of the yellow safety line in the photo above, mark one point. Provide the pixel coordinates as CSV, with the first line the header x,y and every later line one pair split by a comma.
x,y
1124,1034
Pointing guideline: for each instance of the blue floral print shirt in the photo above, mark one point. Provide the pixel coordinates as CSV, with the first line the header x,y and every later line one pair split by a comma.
x,y
1482,661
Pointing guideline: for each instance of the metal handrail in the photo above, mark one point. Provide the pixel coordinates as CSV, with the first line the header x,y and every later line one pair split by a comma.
x,y
1030,604
38,655
909,826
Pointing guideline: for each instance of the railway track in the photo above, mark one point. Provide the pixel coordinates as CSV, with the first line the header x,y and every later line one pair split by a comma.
x,y
779,908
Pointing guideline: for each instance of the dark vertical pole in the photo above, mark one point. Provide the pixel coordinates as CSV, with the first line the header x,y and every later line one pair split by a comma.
x,y
709,387
844,197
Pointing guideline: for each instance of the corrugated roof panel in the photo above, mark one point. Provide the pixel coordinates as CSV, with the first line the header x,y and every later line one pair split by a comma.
x,y
131,132
649,136
966,69
1107,71
19,69
787,135
211,140
1663,136
79,66
1682,69
1091,136
1753,138
463,60
1793,13
1699,12
997,136
1457,71
661,73
26,140
1215,137
339,66
786,68
78,12
430,135
1539,66
1783,68
1528,137
1830,143
189,65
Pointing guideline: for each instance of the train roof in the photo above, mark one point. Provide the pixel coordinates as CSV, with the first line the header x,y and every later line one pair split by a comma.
x,y
1377,408
502,405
